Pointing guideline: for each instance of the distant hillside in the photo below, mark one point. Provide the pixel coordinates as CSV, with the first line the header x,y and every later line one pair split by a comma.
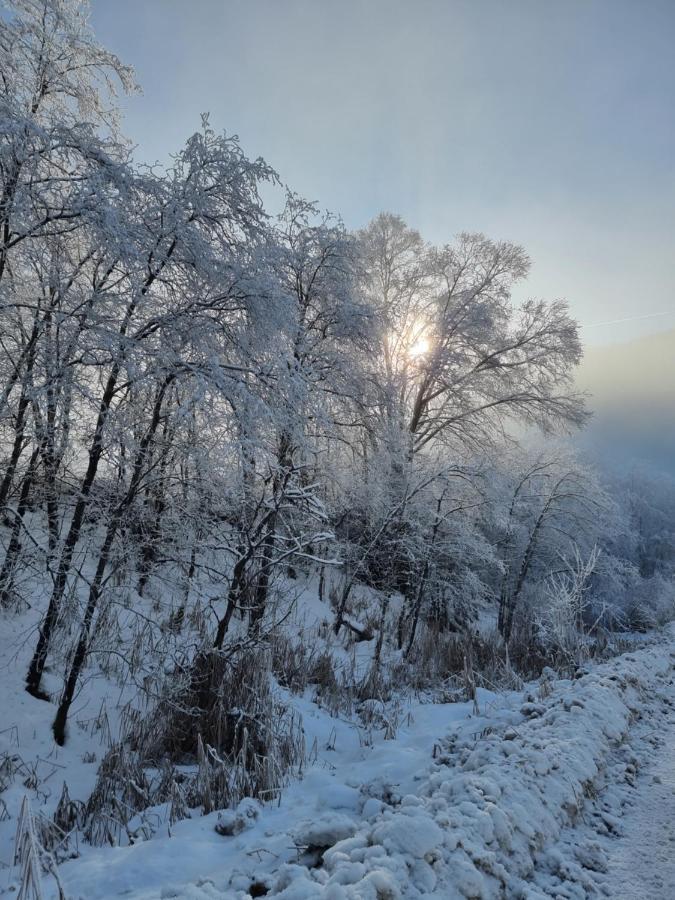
x,y
633,399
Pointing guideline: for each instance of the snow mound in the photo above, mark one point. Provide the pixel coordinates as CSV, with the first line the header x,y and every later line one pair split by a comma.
x,y
324,831
491,803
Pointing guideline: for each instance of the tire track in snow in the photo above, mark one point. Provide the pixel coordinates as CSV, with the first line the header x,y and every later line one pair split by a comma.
x,y
642,860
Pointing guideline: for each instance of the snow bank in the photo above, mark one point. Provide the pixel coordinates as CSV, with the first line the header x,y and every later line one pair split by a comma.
x,y
492,801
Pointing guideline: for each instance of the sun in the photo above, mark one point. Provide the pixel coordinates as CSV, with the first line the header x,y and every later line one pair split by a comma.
x,y
419,348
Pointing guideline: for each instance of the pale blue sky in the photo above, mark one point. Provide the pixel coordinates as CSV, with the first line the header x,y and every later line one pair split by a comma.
x,y
547,122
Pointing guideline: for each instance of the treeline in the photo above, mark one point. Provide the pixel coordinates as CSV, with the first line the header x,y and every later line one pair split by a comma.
x,y
195,392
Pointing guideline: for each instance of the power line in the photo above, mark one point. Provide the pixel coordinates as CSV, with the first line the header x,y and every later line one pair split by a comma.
x,y
656,315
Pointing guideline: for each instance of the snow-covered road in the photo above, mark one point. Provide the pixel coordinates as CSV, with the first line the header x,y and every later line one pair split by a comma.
x,y
642,860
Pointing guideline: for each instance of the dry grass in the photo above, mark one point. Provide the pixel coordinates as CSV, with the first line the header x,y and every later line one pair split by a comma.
x,y
225,720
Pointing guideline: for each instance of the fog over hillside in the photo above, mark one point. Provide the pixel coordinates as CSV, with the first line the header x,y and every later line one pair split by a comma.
x,y
632,388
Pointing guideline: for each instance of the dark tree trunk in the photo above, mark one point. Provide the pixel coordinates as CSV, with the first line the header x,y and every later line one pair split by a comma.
x,y
235,598
59,725
178,617
263,581
417,608
39,659
20,421
14,546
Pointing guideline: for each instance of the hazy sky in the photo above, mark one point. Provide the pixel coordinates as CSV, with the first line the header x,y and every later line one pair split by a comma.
x,y
547,122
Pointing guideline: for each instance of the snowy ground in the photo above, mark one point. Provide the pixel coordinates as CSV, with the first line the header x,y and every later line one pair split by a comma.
x,y
538,795
641,864
626,836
